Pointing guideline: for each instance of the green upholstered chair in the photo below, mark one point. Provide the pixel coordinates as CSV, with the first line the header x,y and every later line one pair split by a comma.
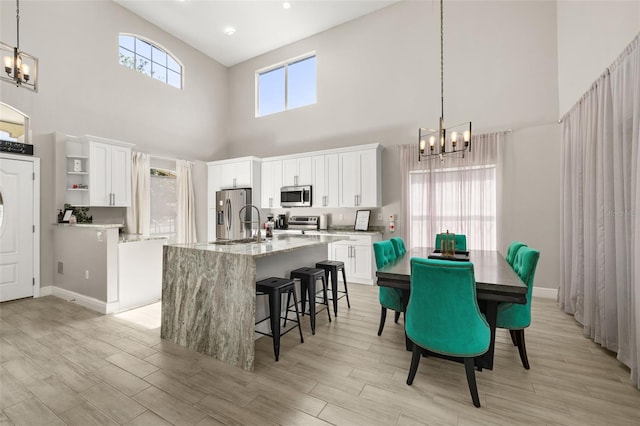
x,y
515,317
390,298
443,315
461,241
512,250
398,245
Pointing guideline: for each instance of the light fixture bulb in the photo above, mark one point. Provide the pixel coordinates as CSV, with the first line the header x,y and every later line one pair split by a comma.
x,y
423,143
465,135
8,62
454,136
25,71
432,141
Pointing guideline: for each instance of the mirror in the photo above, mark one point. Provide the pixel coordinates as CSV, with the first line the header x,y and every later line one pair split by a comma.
x,y
14,124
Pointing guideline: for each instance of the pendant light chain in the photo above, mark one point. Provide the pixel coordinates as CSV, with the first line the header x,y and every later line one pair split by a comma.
x,y
441,59
18,24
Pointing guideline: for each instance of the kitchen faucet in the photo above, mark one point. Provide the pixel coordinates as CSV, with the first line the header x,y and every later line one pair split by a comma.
x,y
258,235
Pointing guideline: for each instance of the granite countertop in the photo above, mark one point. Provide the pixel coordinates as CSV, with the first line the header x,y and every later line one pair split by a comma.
x,y
332,231
132,238
276,245
91,225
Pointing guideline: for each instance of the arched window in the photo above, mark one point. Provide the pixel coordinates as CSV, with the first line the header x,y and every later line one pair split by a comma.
x,y
148,58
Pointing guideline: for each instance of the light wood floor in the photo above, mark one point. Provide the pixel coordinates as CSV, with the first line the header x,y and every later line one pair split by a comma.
x,y
63,364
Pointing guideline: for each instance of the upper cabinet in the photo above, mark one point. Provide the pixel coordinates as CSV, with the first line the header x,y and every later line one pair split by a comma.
x,y
271,184
98,172
360,178
325,180
296,171
236,173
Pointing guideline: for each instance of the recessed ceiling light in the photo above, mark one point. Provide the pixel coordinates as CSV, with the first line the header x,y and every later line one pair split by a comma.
x,y
229,31
286,5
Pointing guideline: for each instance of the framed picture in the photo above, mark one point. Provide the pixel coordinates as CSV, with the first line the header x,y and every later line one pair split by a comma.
x,y
362,220
67,215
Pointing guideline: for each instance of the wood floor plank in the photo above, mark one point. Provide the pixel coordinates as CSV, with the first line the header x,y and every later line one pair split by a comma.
x,y
69,365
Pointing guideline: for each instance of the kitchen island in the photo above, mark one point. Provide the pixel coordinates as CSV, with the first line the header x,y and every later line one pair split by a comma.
x,y
209,292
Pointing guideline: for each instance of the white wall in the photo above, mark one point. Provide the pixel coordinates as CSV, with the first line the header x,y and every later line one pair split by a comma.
x,y
84,90
591,35
379,80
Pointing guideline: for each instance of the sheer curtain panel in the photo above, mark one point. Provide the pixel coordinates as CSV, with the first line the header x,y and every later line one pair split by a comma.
x,y
186,216
600,223
457,194
138,216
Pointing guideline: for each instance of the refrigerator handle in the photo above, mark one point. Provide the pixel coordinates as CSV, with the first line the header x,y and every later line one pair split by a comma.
x,y
228,215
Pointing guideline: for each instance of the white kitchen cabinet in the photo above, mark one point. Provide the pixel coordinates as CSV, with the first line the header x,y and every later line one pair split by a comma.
x,y
360,178
357,255
109,175
325,180
98,172
296,171
271,184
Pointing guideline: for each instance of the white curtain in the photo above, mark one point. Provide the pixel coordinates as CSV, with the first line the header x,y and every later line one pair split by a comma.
x,y
138,215
186,214
600,221
457,194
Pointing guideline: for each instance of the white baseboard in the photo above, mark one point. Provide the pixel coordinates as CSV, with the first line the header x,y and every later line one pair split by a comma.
x,y
547,293
80,299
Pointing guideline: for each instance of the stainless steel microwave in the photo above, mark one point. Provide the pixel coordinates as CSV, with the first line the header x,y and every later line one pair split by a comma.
x,y
295,196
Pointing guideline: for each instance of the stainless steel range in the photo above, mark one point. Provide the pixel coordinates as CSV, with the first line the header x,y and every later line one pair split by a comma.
x,y
304,222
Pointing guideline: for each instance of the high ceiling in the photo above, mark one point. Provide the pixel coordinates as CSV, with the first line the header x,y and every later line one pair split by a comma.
x,y
260,25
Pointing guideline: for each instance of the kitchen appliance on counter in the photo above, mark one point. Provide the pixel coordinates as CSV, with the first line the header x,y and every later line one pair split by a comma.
x,y
323,224
228,205
304,222
281,221
295,196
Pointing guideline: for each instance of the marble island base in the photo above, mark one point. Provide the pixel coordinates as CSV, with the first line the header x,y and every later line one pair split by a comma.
x,y
209,300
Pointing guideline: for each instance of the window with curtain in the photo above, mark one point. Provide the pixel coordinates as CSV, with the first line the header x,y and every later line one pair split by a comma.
x,y
458,194
163,204
474,199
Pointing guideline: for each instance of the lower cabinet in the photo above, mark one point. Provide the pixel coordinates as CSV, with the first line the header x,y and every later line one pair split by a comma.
x,y
357,255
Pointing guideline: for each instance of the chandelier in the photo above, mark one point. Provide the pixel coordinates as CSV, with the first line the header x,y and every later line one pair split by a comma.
x,y
20,68
442,142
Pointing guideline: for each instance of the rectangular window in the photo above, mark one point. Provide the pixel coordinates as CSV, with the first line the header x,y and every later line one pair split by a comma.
x,y
163,204
286,86
465,192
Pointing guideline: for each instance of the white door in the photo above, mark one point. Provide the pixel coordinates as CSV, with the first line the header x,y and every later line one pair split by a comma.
x,y
16,229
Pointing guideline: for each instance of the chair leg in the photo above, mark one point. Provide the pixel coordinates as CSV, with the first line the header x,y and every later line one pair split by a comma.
x,y
396,317
324,296
286,314
415,360
346,291
512,333
274,307
471,380
383,317
295,302
522,348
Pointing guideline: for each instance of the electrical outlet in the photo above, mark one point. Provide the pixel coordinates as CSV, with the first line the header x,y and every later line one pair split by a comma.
x,y
86,274
380,217
99,236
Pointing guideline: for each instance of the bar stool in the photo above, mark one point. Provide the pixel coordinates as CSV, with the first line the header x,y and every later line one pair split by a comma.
x,y
331,267
308,278
275,288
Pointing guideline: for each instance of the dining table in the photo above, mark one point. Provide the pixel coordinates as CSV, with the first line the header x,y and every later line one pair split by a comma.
x,y
496,282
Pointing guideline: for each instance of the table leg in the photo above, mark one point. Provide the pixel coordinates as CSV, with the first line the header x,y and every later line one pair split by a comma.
x,y
491,314
405,301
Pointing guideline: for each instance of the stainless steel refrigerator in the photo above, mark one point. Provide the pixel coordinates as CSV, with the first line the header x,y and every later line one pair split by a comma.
x,y
228,205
